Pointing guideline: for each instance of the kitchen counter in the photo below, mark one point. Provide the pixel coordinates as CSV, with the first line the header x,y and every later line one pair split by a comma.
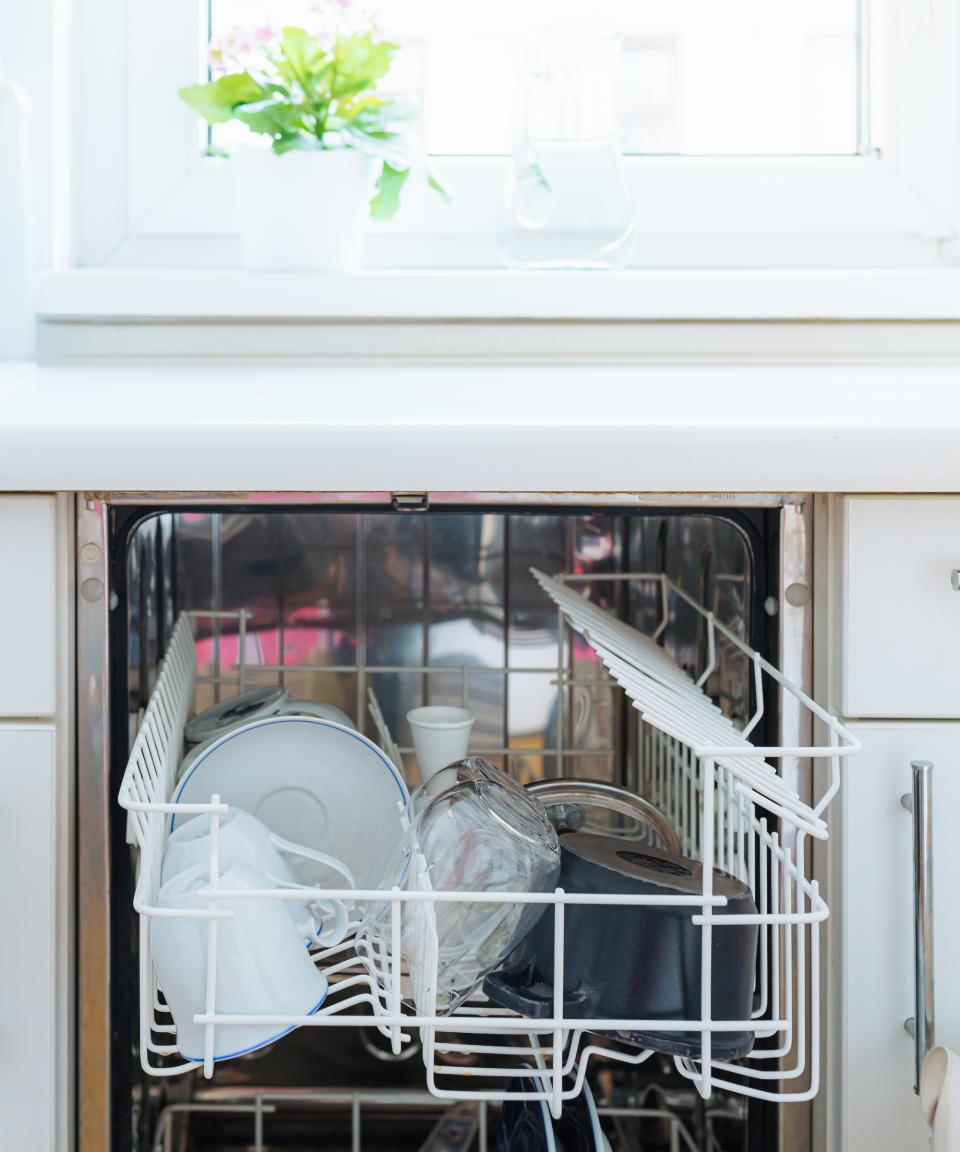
x,y
475,428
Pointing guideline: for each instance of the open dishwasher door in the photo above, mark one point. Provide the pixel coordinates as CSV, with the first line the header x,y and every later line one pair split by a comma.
x,y
334,597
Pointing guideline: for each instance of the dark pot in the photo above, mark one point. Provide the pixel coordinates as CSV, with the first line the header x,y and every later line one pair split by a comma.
x,y
639,962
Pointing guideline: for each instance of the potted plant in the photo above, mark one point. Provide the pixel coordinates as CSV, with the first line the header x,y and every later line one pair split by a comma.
x,y
338,150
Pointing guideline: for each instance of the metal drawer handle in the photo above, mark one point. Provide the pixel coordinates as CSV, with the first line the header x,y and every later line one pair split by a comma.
x,y
921,1025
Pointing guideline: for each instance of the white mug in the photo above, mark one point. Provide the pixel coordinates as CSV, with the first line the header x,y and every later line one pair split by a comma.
x,y
262,967
245,838
441,736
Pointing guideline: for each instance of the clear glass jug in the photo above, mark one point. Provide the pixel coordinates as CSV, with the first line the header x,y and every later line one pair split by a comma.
x,y
567,203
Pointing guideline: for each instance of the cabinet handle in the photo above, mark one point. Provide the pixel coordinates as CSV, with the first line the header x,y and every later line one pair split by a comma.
x,y
919,802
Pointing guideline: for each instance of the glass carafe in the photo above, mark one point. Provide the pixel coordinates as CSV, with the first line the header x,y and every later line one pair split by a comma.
x,y
567,203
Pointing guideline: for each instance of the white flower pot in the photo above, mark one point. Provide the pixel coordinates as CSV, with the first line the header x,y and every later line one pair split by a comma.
x,y
303,211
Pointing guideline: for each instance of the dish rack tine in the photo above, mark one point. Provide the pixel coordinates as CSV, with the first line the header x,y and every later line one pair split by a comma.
x,y
386,737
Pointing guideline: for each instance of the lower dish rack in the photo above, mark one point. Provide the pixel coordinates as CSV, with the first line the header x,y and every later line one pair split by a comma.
x,y
258,1112
731,808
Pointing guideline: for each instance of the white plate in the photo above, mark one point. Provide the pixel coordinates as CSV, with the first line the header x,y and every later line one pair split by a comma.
x,y
311,781
228,714
312,708
291,708
600,1142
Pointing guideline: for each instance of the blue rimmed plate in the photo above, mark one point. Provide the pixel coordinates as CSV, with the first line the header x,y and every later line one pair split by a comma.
x,y
526,1125
311,781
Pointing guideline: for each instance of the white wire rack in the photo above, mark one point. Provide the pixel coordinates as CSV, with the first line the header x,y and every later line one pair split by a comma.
x,y
260,1109
731,809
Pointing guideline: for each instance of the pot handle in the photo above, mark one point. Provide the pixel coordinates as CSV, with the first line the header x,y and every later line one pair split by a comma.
x,y
537,1005
599,794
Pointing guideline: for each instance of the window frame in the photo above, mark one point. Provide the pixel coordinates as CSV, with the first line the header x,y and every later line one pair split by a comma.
x,y
146,196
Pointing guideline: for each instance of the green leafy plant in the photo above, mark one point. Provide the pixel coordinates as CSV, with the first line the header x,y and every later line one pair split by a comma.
x,y
315,90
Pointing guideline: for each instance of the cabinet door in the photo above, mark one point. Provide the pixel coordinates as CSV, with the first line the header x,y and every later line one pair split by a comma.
x,y
28,1057
901,615
879,1110
27,606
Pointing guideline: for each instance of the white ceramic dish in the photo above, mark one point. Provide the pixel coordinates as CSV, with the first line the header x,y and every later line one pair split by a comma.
x,y
291,708
245,838
196,749
312,708
526,1124
254,704
312,782
262,965
600,1141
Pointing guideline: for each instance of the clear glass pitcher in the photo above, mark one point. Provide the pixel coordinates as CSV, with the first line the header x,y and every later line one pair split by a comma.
x,y
567,204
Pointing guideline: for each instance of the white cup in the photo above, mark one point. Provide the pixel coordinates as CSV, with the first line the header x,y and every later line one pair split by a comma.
x,y
245,838
262,967
441,735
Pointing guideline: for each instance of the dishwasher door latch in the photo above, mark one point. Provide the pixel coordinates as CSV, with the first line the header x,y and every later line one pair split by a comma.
x,y
410,501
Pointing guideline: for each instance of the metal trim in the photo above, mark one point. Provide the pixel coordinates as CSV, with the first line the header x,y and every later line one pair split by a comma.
x,y
94,796
795,1124
494,498
93,830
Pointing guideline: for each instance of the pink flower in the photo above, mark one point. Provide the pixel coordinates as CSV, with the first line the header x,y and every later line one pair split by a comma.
x,y
235,48
216,56
263,34
240,41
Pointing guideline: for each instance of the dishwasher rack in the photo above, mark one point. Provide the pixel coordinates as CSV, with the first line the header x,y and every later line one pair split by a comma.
x,y
262,1106
727,800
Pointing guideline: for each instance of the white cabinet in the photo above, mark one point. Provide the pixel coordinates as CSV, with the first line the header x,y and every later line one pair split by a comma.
x,y
901,615
28,606
879,1110
28,944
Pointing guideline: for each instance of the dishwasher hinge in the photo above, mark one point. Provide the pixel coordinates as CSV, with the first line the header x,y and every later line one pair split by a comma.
x,y
410,501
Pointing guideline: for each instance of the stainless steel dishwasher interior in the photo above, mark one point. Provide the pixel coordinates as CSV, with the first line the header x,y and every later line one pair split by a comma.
x,y
439,607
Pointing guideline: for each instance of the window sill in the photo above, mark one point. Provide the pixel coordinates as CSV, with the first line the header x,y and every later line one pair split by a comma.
x,y
637,295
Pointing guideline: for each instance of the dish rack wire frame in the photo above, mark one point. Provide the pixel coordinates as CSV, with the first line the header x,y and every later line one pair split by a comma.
x,y
262,1105
722,811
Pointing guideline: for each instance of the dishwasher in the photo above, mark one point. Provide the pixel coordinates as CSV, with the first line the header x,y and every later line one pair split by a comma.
x,y
378,603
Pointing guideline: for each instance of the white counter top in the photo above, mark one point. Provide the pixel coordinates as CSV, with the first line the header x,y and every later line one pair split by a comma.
x,y
485,428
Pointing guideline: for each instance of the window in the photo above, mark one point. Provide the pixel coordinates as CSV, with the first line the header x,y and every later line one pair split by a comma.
x,y
697,77
770,131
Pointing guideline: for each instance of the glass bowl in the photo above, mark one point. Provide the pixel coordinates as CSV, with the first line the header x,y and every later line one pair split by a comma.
x,y
473,829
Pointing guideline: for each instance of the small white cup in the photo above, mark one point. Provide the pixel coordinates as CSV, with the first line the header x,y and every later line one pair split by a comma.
x,y
262,967
245,838
441,735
